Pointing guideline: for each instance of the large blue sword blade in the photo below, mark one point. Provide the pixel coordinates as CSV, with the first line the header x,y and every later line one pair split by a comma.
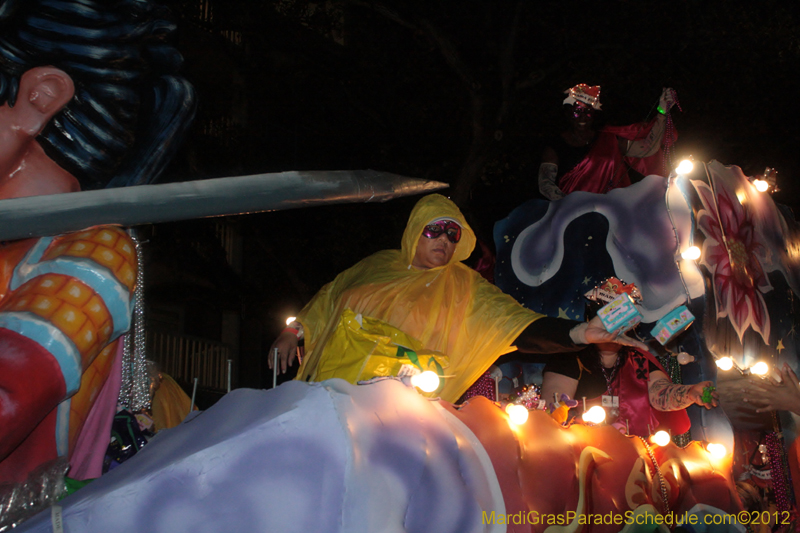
x,y
37,216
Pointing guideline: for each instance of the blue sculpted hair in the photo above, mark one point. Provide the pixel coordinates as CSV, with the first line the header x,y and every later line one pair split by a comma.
x,y
130,108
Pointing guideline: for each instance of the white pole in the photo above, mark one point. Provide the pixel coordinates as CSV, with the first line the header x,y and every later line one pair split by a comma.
x,y
194,395
274,368
229,374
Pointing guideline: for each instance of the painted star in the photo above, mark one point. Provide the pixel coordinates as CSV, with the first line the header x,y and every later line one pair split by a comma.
x,y
780,346
586,280
562,313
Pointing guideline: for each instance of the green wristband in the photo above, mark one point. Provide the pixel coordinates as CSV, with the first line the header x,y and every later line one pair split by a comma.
x,y
661,110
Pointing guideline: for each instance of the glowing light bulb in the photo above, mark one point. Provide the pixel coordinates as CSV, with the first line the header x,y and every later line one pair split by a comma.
x,y
427,381
692,253
725,363
760,369
717,451
595,415
761,185
685,167
661,438
517,414
290,320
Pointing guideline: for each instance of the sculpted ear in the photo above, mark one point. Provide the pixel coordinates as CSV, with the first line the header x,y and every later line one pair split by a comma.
x,y
43,92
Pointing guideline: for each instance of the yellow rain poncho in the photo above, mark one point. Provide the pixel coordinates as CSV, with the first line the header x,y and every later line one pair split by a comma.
x,y
449,309
170,404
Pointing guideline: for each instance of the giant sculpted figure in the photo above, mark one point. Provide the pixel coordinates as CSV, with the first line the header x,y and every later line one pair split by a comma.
x,y
88,101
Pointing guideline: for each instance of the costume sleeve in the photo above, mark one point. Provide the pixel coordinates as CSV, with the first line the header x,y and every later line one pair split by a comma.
x,y
323,307
497,318
566,365
316,313
547,182
650,141
547,335
322,312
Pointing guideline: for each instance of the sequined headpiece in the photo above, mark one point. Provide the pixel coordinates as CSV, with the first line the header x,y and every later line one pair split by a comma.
x,y
585,94
610,289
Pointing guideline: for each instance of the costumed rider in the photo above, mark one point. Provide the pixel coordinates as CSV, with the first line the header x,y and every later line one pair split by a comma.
x,y
426,292
582,159
88,100
628,382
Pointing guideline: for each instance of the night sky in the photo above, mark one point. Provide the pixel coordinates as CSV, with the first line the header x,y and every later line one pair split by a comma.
x,y
463,92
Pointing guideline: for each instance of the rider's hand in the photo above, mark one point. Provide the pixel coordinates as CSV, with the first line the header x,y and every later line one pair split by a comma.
x,y
286,344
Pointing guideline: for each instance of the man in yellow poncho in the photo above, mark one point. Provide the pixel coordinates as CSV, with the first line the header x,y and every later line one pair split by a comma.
x,y
425,291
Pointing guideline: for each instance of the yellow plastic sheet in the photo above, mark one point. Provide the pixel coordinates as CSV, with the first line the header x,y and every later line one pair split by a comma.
x,y
449,309
170,404
362,348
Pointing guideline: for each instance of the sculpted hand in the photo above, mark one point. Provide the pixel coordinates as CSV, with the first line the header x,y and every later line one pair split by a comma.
x,y
593,332
773,396
286,343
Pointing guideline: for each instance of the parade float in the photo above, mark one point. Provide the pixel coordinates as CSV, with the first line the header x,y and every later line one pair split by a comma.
x,y
711,252
378,456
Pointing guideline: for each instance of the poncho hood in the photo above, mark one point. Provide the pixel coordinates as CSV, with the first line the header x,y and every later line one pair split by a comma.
x,y
429,208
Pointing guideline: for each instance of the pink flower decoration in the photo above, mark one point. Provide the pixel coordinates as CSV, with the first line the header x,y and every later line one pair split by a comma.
x,y
736,269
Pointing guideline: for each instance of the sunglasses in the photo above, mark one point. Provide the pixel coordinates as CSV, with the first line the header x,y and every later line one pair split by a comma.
x,y
579,111
451,230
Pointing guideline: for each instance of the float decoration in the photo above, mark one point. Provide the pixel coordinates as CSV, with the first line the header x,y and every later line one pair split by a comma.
x,y
377,443
35,216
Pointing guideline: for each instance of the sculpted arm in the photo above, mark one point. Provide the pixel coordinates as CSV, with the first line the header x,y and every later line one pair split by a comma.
x,y
60,312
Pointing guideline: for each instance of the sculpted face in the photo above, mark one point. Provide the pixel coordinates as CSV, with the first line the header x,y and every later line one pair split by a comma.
x,y
433,252
25,169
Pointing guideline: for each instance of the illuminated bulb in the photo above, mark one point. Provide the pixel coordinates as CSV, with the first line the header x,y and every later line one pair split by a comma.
x,y
725,363
517,414
661,438
290,320
692,253
685,167
427,381
717,451
761,185
595,415
760,369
